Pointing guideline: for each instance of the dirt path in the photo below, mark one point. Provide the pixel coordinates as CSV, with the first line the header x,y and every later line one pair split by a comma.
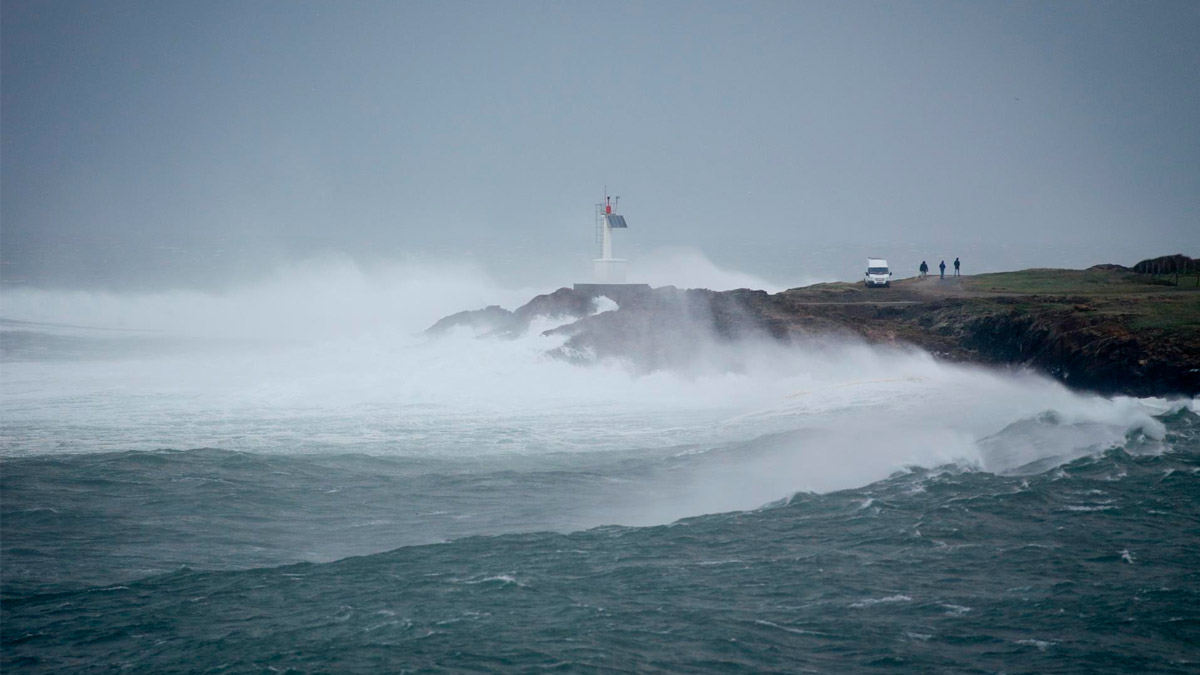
x,y
864,301
902,292
936,287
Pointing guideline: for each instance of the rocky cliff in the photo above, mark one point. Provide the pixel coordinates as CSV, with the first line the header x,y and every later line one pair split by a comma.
x,y
1105,329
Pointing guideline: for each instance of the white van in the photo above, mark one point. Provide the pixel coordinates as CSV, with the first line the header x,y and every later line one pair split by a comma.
x,y
878,273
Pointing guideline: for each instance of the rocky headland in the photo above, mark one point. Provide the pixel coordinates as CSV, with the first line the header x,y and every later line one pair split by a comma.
x,y
1106,329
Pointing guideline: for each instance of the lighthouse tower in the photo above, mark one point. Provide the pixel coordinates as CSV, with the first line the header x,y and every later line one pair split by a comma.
x,y
606,269
608,273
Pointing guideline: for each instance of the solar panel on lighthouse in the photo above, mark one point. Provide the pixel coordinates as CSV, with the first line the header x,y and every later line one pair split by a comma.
x,y
614,220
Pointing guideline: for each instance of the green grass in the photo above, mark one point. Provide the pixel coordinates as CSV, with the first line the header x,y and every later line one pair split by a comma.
x,y
1165,313
1139,302
1073,282
831,288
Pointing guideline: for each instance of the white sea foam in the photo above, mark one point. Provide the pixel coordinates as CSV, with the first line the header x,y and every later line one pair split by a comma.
x,y
878,601
339,365
501,579
605,304
797,631
690,268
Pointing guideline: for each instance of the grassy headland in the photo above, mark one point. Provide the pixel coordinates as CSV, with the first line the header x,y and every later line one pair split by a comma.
x,y
1105,329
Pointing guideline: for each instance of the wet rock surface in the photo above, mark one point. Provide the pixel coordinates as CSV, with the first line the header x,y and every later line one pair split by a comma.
x,y
1103,329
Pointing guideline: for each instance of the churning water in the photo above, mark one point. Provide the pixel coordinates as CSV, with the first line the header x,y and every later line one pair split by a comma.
x,y
294,477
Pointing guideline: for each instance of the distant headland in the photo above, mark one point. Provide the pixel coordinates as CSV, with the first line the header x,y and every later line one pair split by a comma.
x,y
1107,329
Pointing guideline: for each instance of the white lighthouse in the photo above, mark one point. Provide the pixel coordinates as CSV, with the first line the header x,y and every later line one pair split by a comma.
x,y
606,269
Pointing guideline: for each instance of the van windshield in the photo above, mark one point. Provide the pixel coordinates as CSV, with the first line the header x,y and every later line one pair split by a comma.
x,y
877,270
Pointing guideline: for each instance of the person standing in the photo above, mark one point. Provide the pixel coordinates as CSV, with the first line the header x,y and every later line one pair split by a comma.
x,y
956,267
942,267
924,269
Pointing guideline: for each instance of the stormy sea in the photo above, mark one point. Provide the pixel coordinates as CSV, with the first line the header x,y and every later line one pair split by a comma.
x,y
293,477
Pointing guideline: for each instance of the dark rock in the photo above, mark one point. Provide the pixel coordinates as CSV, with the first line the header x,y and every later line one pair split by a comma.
x,y
1168,264
668,327
1134,340
565,303
491,319
495,320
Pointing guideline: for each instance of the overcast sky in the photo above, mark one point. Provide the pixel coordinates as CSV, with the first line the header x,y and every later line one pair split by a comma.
x,y
173,144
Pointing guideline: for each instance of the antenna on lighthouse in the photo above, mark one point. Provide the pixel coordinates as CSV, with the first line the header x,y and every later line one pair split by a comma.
x,y
608,273
606,268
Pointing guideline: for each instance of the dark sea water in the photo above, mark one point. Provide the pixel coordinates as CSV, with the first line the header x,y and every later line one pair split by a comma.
x,y
278,497
174,561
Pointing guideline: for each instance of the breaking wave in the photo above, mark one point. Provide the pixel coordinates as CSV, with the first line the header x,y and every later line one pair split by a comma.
x,y
330,358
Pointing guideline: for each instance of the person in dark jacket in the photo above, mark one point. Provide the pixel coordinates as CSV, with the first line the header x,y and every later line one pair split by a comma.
x,y
956,267
942,267
924,269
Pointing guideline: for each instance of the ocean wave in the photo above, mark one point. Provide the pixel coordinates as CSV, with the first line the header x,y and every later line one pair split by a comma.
x,y
799,578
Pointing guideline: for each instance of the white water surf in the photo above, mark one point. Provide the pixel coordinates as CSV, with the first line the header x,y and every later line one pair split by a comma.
x,y
331,359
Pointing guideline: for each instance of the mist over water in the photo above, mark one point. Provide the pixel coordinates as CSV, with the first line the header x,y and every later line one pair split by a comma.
x,y
177,454
321,298
227,444
330,357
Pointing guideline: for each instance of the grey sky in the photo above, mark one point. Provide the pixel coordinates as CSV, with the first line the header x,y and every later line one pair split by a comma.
x,y
177,143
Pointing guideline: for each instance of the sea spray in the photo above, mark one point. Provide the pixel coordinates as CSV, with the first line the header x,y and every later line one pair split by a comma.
x,y
823,504
948,569
815,416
